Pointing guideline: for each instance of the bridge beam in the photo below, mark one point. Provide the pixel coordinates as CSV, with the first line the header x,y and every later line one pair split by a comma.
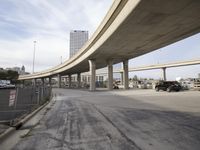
x,y
125,74
92,66
59,80
164,73
110,75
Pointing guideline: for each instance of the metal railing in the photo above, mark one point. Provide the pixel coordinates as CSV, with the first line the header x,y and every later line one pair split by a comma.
x,y
15,103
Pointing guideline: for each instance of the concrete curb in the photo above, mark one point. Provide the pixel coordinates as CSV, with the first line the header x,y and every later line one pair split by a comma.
x,y
21,122
6,133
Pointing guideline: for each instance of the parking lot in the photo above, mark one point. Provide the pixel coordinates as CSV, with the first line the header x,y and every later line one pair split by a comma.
x,y
119,119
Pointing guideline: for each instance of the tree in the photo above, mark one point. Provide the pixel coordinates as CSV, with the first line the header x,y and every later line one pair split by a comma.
x,y
12,75
3,75
9,75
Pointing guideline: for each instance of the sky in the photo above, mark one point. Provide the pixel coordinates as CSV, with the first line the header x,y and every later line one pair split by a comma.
x,y
48,22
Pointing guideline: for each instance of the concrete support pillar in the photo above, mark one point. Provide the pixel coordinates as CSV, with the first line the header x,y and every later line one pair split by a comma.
x,y
122,78
125,74
50,81
110,75
22,83
79,79
34,82
66,81
164,74
59,81
42,79
92,66
70,80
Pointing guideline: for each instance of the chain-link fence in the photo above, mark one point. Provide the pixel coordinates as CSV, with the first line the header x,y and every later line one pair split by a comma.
x,y
17,102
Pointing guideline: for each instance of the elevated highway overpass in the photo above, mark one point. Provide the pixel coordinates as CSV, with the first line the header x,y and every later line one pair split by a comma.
x,y
131,28
165,66
157,66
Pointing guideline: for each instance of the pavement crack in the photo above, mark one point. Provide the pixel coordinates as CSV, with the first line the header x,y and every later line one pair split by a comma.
x,y
190,127
120,131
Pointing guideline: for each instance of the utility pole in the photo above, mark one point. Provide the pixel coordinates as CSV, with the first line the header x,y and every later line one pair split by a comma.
x,y
60,59
34,42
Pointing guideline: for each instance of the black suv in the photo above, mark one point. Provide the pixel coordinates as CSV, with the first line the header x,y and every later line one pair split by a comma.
x,y
168,86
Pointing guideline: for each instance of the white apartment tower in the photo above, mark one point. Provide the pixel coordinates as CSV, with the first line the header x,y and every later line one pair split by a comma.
x,y
77,39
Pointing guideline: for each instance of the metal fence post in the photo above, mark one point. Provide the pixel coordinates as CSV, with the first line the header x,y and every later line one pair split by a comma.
x,y
17,90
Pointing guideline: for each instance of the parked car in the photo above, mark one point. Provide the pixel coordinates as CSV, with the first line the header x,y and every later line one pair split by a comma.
x,y
197,85
7,86
168,86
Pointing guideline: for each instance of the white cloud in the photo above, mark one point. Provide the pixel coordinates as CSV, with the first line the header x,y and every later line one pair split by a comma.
x,y
49,23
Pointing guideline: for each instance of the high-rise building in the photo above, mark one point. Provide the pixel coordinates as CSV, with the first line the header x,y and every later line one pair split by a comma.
x,y
77,39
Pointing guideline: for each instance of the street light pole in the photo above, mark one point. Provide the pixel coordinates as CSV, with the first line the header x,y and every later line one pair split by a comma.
x,y
34,55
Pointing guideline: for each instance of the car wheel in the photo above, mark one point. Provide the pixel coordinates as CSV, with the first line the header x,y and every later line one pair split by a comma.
x,y
168,90
157,89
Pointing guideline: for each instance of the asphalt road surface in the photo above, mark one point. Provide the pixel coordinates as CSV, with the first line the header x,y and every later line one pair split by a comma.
x,y
117,120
